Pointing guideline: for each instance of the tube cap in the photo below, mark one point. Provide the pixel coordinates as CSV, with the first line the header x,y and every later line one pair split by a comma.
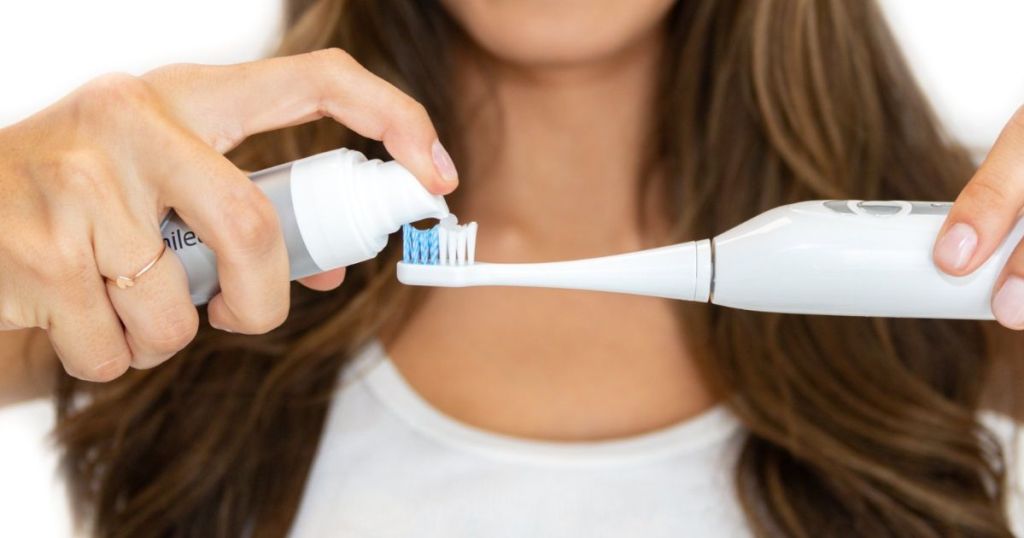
x,y
346,206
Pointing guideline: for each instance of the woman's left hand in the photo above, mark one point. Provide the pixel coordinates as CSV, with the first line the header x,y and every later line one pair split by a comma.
x,y
984,213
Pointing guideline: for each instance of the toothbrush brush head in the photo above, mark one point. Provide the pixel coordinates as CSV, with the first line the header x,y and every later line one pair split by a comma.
x,y
447,243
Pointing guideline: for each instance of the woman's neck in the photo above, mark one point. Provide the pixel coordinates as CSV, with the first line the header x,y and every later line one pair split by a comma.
x,y
557,152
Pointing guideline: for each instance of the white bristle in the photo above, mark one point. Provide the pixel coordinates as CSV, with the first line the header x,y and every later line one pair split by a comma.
x,y
471,242
461,260
456,243
453,246
442,243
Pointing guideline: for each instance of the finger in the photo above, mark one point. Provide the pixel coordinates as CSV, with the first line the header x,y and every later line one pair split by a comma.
x,y
224,104
156,311
83,328
158,317
324,281
80,322
237,221
1008,299
988,207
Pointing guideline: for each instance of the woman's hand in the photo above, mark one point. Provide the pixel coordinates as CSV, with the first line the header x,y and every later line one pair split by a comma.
x,y
84,184
983,214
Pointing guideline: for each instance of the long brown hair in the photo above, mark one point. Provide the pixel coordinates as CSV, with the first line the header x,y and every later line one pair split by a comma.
x,y
856,426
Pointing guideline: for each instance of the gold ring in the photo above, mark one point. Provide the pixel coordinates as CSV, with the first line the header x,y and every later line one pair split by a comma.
x,y
125,282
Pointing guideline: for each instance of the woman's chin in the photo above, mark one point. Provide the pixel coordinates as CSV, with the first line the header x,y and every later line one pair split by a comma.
x,y
531,34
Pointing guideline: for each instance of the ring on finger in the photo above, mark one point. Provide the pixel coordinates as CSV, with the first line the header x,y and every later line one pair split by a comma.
x,y
124,282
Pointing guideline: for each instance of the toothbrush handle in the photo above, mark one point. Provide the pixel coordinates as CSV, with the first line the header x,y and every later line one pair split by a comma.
x,y
850,258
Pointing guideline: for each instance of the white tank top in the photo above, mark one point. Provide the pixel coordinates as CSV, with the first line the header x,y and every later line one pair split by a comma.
x,y
391,465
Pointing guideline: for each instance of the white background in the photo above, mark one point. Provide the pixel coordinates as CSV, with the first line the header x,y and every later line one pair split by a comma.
x,y
969,56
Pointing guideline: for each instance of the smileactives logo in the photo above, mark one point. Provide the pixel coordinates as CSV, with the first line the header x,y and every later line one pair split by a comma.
x,y
177,239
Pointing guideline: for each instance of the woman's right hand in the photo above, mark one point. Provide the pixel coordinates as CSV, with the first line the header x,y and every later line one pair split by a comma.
x,y
84,185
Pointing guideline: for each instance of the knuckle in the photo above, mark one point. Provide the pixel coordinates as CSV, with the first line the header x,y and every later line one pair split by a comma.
x,y
7,317
333,69
69,268
262,323
32,253
11,317
414,112
175,71
115,93
250,220
171,331
332,58
987,191
79,171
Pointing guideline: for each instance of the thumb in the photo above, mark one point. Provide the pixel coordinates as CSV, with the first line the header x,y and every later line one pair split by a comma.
x,y
988,207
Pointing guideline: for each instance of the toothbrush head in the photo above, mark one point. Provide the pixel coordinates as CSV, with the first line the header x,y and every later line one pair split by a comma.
x,y
447,243
444,255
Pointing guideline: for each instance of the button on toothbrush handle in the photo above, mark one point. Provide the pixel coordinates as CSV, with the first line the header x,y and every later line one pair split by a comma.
x,y
890,208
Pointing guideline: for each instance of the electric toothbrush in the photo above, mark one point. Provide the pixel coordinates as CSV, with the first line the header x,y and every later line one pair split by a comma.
x,y
836,257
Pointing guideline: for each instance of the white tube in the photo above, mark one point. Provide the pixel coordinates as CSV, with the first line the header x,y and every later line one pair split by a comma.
x,y
335,209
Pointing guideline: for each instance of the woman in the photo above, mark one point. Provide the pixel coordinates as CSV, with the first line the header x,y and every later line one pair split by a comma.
x,y
579,129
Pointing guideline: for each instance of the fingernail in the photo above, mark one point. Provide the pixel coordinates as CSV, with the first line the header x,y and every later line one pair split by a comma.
x,y
219,328
1008,304
443,162
956,248
109,368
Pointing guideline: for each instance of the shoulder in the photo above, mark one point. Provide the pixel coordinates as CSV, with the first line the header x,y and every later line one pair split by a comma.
x,y
365,359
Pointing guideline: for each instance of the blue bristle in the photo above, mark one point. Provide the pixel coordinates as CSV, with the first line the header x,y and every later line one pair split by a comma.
x,y
405,243
434,254
420,246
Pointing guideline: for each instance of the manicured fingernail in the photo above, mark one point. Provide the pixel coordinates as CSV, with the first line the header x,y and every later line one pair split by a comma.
x,y
219,328
106,368
1008,304
443,162
955,249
